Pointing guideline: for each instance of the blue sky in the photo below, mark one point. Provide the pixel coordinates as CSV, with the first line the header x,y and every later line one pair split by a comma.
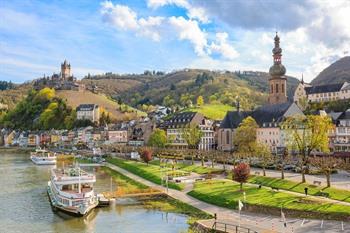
x,y
132,36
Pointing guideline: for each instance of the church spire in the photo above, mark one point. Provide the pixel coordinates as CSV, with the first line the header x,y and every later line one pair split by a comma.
x,y
277,80
302,78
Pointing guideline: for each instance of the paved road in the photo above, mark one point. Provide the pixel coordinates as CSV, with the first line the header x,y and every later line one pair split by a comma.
x,y
340,180
255,221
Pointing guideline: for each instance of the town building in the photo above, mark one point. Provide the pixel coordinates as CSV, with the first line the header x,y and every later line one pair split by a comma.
x,y
176,125
228,127
33,140
139,131
117,136
341,138
321,93
207,141
88,112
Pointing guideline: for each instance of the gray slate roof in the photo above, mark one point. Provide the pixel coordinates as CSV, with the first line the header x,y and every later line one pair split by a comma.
x,y
86,107
324,88
270,113
179,119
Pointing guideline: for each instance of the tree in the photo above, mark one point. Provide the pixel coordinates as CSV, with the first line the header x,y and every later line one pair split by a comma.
x,y
264,153
200,101
158,139
326,164
192,136
307,134
241,174
146,155
168,101
245,137
69,120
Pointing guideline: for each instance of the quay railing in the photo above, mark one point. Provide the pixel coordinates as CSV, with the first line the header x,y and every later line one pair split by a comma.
x,y
231,228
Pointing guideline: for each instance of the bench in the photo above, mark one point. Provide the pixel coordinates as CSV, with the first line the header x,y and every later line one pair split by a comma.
x,y
322,194
274,188
257,173
317,182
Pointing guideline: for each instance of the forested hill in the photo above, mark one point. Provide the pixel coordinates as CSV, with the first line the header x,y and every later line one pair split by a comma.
x,y
338,72
184,86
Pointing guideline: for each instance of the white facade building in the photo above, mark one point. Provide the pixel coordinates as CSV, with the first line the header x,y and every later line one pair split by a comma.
x,y
88,112
322,93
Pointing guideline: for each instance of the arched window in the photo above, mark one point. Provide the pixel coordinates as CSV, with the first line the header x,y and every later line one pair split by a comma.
x,y
271,88
227,137
282,88
276,87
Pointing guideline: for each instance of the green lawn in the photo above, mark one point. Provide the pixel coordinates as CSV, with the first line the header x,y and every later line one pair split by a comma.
x,y
83,160
337,194
191,168
212,111
123,181
149,172
226,194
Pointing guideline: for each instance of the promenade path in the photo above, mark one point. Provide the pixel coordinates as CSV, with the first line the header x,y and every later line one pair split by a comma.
x,y
254,221
340,180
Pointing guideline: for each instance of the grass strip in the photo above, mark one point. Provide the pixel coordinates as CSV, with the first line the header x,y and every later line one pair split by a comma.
x,y
226,194
332,193
149,172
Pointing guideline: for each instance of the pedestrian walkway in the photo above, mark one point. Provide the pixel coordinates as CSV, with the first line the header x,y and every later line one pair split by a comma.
x,y
255,221
340,180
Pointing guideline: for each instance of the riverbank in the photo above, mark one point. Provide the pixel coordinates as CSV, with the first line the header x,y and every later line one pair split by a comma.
x,y
164,203
16,150
24,205
149,172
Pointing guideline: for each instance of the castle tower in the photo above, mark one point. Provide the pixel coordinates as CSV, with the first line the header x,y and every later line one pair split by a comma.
x,y
277,81
65,70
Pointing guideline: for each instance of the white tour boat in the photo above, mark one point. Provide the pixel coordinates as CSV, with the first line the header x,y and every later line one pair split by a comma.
x,y
43,157
71,190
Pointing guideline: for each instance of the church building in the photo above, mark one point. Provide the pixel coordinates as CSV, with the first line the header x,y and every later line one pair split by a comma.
x,y
270,116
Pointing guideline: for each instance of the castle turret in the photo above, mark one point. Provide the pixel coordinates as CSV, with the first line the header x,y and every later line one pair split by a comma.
x,y
65,70
277,81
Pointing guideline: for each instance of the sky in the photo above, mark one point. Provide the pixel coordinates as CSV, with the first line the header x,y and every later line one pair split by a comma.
x,y
124,36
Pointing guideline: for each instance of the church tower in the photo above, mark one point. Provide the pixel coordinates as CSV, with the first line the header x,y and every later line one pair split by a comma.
x,y
65,70
277,81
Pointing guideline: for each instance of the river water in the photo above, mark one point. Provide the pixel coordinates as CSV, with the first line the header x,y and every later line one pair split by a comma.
x,y
24,206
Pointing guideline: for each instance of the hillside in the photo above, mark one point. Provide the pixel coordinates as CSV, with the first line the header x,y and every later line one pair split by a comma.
x,y
338,72
11,97
212,111
184,86
118,112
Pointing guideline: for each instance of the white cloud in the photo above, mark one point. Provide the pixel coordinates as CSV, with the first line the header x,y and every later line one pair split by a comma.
x,y
223,47
193,12
190,30
123,18
120,16
160,3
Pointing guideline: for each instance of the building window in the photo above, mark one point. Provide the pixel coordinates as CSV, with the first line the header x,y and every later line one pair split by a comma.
x,y
227,137
276,87
282,88
271,88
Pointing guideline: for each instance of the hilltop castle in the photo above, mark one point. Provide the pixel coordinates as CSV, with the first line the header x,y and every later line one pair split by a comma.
x,y
62,81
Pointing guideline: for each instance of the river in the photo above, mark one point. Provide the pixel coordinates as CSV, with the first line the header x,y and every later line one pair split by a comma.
x,y
24,206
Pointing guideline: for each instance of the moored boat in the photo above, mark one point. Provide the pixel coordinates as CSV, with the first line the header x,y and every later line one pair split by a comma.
x,y
43,157
71,191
